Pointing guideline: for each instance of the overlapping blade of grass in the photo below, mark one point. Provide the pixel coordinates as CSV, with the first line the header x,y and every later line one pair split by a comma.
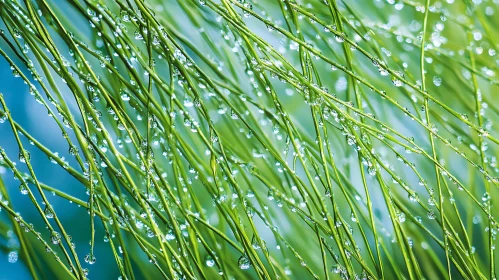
x,y
260,139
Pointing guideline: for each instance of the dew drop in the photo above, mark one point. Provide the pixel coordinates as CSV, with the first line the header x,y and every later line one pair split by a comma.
x,y
90,258
209,261
48,213
244,263
13,257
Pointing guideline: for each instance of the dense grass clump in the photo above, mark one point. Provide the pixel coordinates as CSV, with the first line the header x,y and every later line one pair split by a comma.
x,y
238,139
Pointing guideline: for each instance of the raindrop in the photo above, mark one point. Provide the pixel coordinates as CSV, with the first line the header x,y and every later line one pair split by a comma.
x,y
125,97
437,81
396,81
13,257
209,261
23,189
23,158
55,237
271,195
431,215
90,258
48,212
244,263
254,242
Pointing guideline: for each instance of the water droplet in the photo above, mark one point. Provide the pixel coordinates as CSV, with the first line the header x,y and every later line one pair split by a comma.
x,y
414,197
48,212
209,261
90,258
431,215
396,81
13,257
254,242
401,217
125,96
23,158
169,236
244,263
270,195
437,81
23,189
55,237
250,194
352,216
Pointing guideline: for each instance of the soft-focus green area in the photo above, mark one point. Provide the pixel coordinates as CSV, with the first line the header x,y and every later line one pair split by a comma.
x,y
237,139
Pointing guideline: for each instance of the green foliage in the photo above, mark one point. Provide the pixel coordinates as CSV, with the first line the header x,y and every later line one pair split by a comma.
x,y
241,139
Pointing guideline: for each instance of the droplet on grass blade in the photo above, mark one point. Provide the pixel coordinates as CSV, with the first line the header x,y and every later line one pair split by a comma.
x,y
209,261
90,258
13,257
48,213
244,263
